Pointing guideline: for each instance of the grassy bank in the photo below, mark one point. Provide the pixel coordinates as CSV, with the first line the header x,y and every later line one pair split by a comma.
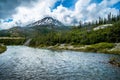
x,y
112,48
2,48
12,40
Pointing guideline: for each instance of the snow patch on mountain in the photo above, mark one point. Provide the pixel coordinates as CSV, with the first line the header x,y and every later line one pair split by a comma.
x,y
47,21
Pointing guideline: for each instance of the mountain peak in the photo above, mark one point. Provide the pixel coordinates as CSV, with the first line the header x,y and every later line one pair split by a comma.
x,y
48,18
47,21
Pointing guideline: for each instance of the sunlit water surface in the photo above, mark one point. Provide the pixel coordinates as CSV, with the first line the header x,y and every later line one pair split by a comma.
x,y
25,63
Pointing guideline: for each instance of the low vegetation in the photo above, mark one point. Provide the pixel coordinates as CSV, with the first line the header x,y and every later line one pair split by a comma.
x,y
12,40
100,47
2,48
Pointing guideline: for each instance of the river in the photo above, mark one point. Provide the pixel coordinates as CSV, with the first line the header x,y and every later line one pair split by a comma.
x,y
25,63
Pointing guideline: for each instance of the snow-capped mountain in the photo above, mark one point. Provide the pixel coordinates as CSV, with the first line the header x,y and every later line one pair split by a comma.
x,y
47,21
42,26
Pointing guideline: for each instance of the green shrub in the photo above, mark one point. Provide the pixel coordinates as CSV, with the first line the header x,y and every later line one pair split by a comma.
x,y
99,47
114,51
103,45
13,41
2,48
91,48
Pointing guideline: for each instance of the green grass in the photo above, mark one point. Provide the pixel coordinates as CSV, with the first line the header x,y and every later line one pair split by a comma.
x,y
100,47
2,48
114,52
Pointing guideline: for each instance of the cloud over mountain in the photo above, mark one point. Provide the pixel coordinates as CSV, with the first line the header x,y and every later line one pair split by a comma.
x,y
23,12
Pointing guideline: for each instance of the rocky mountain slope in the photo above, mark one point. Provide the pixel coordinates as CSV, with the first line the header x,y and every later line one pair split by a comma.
x,y
47,21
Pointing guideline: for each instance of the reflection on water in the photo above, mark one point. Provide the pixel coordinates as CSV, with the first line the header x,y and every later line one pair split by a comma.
x,y
24,63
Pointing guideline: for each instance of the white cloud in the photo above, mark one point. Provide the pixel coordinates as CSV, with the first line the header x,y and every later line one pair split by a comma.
x,y
35,13
63,14
81,4
84,10
6,25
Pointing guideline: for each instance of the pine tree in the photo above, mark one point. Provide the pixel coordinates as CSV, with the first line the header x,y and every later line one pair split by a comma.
x,y
80,24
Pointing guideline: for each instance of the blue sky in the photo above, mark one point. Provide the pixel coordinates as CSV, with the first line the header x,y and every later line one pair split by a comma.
x,y
66,3
71,3
69,12
117,5
96,1
8,20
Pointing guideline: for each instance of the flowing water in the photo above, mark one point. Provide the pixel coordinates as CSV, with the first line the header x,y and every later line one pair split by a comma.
x,y
25,63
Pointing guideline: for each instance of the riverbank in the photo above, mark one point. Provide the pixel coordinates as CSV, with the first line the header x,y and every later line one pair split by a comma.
x,y
12,40
2,48
111,48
